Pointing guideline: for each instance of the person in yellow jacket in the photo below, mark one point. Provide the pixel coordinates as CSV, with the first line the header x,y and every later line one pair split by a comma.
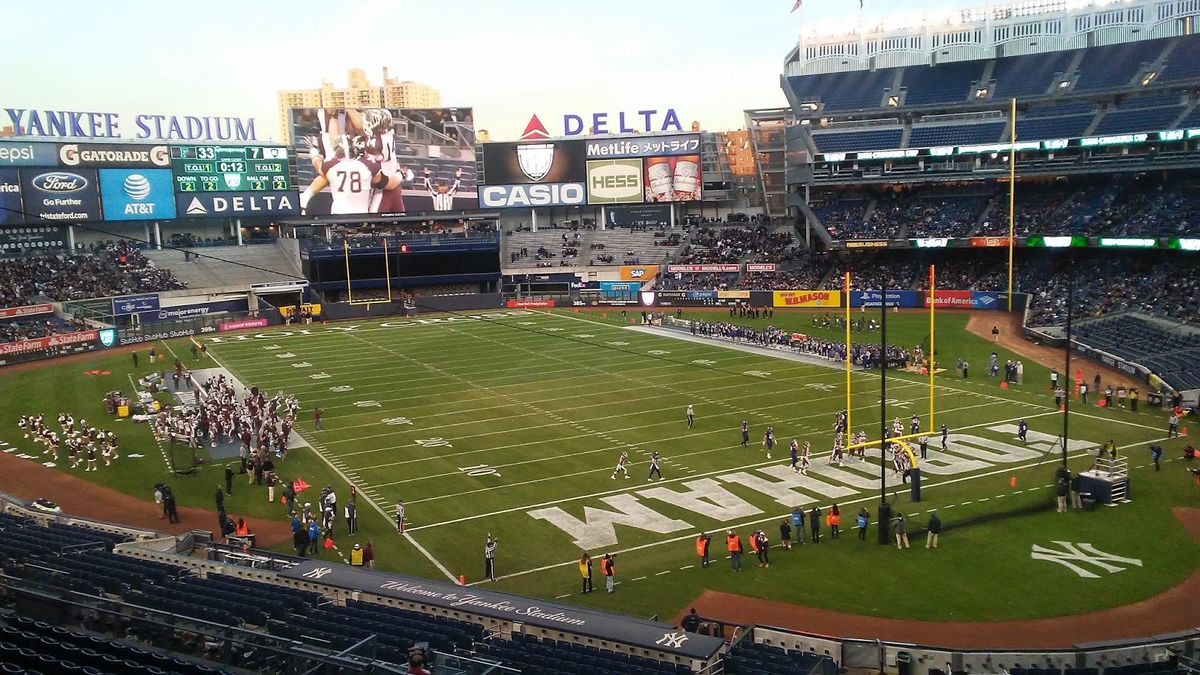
x,y
585,571
356,556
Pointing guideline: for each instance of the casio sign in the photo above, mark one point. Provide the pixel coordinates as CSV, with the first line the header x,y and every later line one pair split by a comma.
x,y
550,194
60,181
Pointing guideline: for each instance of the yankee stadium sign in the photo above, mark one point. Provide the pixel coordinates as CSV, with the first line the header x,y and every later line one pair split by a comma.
x,y
81,124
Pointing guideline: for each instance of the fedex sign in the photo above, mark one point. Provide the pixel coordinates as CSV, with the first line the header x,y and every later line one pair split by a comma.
x,y
641,121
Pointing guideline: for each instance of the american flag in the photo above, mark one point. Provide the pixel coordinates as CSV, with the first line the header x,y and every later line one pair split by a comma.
x,y
799,3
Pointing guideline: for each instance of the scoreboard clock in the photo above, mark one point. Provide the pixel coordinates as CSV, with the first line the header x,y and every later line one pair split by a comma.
x,y
230,168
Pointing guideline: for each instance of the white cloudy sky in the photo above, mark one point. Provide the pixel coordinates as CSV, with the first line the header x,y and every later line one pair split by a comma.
x,y
707,59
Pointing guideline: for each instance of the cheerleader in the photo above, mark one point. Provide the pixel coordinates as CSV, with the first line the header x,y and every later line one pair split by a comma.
x,y
91,457
897,428
804,461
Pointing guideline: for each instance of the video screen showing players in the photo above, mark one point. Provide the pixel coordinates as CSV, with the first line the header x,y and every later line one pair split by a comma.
x,y
384,161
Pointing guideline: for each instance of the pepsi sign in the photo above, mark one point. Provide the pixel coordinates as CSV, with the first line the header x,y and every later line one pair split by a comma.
x,y
53,195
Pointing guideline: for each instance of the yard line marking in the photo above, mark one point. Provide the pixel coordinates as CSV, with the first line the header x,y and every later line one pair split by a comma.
x,y
606,493
659,574
686,567
637,578
370,501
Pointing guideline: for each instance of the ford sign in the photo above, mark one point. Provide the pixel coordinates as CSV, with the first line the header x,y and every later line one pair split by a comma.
x,y
60,181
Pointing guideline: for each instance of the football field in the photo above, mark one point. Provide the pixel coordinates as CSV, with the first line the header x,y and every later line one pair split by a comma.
x,y
511,423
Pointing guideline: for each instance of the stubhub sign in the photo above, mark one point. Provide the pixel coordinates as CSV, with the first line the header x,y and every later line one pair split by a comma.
x,y
544,194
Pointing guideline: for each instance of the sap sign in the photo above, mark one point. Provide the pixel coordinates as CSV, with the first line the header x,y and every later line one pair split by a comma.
x,y
646,121
514,196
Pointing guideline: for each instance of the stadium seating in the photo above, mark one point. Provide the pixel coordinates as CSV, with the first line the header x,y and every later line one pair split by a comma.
x,y
749,658
844,91
1172,355
853,141
1182,63
946,83
113,268
230,265
1112,66
549,657
1023,76
934,135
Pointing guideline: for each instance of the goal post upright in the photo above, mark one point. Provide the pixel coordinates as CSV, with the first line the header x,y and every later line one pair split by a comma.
x,y
848,363
932,333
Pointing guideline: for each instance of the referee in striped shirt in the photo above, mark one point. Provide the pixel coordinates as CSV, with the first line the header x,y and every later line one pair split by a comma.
x,y
443,197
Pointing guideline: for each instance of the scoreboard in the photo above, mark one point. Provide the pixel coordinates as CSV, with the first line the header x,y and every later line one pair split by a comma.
x,y
229,168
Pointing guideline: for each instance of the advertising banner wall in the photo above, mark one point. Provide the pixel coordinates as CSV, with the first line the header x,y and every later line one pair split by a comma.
x,y
114,155
894,299
673,179
650,146
137,194
614,181
808,298
949,299
26,310
638,272
712,268
11,212
760,267
521,304
649,216
260,322
21,153
192,311
134,304
526,196
46,344
235,204
989,300
538,162
52,194
427,155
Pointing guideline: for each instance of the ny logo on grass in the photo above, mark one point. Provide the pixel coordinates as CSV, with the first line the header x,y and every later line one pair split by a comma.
x,y
396,421
318,572
433,443
1075,556
704,362
819,386
658,352
672,640
756,373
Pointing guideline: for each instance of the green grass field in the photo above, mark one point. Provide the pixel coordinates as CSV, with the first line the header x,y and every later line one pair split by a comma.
x,y
511,423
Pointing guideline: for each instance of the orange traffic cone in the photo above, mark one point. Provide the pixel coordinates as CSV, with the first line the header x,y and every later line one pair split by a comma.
x,y
1012,482
1183,431
462,580
1004,385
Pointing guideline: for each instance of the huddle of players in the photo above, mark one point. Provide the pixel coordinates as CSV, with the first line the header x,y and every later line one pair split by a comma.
x,y
254,421
801,454
82,440
359,166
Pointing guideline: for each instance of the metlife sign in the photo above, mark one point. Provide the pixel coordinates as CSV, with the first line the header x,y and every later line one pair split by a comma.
x,y
647,146
137,194
236,204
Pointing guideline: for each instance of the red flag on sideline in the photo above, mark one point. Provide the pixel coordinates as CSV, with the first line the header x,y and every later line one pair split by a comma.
x,y
299,485
328,542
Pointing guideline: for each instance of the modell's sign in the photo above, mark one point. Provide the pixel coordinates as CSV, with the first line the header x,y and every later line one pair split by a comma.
x,y
760,267
43,344
703,269
26,310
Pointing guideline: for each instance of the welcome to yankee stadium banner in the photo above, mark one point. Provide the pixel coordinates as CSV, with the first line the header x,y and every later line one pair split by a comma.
x,y
505,607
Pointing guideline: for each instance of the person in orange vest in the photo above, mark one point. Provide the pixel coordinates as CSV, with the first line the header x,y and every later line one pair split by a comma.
x,y
609,568
702,544
834,518
242,529
733,544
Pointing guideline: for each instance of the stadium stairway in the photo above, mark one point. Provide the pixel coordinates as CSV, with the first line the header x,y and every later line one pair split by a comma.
x,y
229,265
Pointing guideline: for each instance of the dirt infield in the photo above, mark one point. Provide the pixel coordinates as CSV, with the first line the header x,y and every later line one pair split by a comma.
x,y
1012,338
82,498
1172,610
